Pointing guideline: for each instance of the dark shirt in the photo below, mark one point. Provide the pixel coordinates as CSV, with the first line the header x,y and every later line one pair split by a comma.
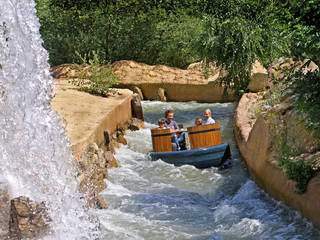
x,y
172,125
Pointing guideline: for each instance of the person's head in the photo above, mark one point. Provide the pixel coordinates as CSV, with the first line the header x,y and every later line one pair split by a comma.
x,y
169,115
161,123
198,121
207,113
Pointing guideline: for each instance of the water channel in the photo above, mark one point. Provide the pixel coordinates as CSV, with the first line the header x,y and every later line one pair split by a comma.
x,y
156,200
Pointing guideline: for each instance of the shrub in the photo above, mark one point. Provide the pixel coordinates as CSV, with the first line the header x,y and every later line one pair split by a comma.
x,y
98,75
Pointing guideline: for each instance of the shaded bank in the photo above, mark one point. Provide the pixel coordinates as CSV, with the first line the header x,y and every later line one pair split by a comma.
x,y
254,139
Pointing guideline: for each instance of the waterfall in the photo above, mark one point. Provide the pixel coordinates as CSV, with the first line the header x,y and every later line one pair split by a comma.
x,y
35,156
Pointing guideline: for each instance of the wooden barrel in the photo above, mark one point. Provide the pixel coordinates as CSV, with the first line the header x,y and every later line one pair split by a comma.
x,y
161,140
204,135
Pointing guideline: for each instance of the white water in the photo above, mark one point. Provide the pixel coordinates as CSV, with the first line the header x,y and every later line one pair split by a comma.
x,y
148,200
35,157
156,200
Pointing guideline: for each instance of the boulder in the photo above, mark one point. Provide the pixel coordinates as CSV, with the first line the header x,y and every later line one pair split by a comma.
x,y
28,219
259,78
4,208
162,95
138,91
111,161
135,124
136,107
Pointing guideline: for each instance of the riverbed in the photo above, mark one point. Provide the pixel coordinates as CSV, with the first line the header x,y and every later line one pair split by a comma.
x,y
156,200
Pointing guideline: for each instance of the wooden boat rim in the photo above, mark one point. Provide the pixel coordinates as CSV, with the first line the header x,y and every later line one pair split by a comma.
x,y
192,151
202,131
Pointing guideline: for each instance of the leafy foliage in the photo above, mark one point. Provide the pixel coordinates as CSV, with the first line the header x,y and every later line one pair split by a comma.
x,y
238,34
306,87
153,32
96,77
300,171
233,33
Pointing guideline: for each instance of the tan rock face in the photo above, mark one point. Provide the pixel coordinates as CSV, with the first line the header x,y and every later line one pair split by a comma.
x,y
92,169
256,146
298,136
259,78
172,84
95,126
27,218
86,117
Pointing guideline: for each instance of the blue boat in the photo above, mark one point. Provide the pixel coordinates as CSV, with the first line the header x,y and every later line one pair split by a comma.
x,y
215,156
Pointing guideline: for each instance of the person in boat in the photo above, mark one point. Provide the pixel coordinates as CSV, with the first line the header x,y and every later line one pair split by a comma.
x,y
198,121
207,117
161,123
174,128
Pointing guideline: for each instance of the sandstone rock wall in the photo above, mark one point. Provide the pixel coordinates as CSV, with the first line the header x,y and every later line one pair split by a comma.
x,y
255,144
86,116
95,125
171,84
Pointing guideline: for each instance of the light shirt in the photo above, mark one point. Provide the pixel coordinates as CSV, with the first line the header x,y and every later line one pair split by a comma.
x,y
172,125
210,120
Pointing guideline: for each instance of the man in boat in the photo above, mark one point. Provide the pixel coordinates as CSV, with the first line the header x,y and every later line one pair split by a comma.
x,y
174,128
207,117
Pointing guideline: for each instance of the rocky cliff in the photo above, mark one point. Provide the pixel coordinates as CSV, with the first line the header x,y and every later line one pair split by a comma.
x,y
94,126
258,136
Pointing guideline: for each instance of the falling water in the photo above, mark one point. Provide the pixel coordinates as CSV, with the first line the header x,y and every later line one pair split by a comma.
x,y
35,155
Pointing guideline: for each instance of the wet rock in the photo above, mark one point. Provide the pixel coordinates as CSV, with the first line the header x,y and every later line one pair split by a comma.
x,y
111,160
136,107
28,219
99,203
122,139
109,143
4,208
92,170
138,91
135,124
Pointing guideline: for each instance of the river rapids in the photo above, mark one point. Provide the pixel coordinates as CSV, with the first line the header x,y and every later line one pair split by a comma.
x,y
147,200
156,200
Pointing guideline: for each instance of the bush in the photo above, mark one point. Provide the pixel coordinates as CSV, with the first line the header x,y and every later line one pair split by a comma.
x,y
299,171
95,76
306,86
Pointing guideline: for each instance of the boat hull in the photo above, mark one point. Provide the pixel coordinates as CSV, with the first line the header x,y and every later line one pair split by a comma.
x,y
207,157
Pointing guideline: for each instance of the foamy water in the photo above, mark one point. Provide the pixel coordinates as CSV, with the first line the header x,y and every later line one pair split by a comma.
x,y
35,156
156,200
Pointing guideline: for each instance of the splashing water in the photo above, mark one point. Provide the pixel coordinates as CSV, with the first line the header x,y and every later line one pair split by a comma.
x,y
35,155
156,200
